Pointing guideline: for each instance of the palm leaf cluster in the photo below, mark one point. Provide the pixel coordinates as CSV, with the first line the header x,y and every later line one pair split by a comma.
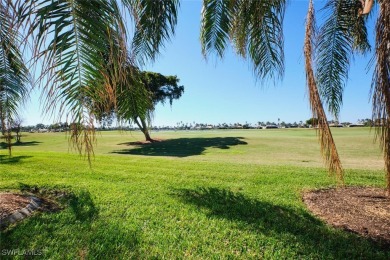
x,y
134,100
14,76
254,27
71,41
342,34
83,50
155,24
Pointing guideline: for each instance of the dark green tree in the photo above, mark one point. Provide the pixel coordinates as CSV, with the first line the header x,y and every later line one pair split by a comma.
x,y
312,121
137,99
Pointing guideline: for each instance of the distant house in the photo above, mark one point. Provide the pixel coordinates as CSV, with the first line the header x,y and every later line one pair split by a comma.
x,y
43,130
270,127
335,125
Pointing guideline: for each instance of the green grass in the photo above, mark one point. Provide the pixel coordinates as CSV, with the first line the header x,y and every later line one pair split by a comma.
x,y
200,194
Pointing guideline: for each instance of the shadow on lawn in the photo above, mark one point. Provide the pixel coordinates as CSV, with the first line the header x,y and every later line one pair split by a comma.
x,y
83,207
5,159
273,220
78,230
181,147
4,145
81,202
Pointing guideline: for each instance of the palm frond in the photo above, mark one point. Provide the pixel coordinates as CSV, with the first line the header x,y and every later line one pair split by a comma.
x,y
328,146
14,75
342,33
359,30
217,21
134,99
254,27
75,40
266,40
155,23
381,84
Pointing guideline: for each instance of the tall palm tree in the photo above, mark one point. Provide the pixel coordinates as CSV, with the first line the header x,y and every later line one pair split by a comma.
x,y
14,76
343,34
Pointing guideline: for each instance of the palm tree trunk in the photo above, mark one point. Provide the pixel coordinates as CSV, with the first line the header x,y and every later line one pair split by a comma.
x,y
328,146
381,84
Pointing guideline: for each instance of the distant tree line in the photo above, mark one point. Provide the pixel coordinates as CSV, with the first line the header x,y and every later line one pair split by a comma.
x,y
64,126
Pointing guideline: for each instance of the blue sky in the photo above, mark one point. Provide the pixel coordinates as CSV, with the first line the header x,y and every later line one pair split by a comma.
x,y
226,91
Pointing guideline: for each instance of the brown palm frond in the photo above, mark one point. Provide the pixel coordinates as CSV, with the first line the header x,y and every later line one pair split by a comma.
x,y
328,146
381,85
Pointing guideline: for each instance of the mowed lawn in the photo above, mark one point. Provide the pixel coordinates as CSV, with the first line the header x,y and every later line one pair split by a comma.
x,y
197,194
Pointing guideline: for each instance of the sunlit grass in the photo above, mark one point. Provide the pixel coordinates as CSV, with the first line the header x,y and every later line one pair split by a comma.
x,y
232,194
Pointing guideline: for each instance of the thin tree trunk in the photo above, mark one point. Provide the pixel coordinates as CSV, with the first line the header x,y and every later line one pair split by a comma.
x,y
18,137
144,129
381,84
9,141
328,146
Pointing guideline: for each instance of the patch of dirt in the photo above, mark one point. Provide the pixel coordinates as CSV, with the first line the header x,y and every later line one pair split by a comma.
x,y
15,207
361,210
10,203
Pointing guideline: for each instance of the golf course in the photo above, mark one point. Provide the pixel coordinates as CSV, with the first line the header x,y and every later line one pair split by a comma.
x,y
216,194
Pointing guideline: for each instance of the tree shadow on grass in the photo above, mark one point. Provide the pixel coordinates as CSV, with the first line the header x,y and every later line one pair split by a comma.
x,y
80,202
77,226
83,207
5,159
4,145
181,147
277,221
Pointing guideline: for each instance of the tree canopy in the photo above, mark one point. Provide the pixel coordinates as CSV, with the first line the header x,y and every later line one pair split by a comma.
x,y
136,103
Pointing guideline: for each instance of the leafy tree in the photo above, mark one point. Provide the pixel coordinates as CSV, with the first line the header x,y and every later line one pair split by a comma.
x,y
312,121
40,126
366,122
154,88
17,128
161,88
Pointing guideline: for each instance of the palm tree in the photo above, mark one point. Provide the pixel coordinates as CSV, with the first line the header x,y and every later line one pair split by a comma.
x,y
342,35
14,76
255,30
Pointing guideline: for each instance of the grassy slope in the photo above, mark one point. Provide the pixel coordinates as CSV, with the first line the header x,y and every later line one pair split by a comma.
x,y
233,194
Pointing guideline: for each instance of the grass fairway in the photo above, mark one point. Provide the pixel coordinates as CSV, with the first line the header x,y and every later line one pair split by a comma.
x,y
200,194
